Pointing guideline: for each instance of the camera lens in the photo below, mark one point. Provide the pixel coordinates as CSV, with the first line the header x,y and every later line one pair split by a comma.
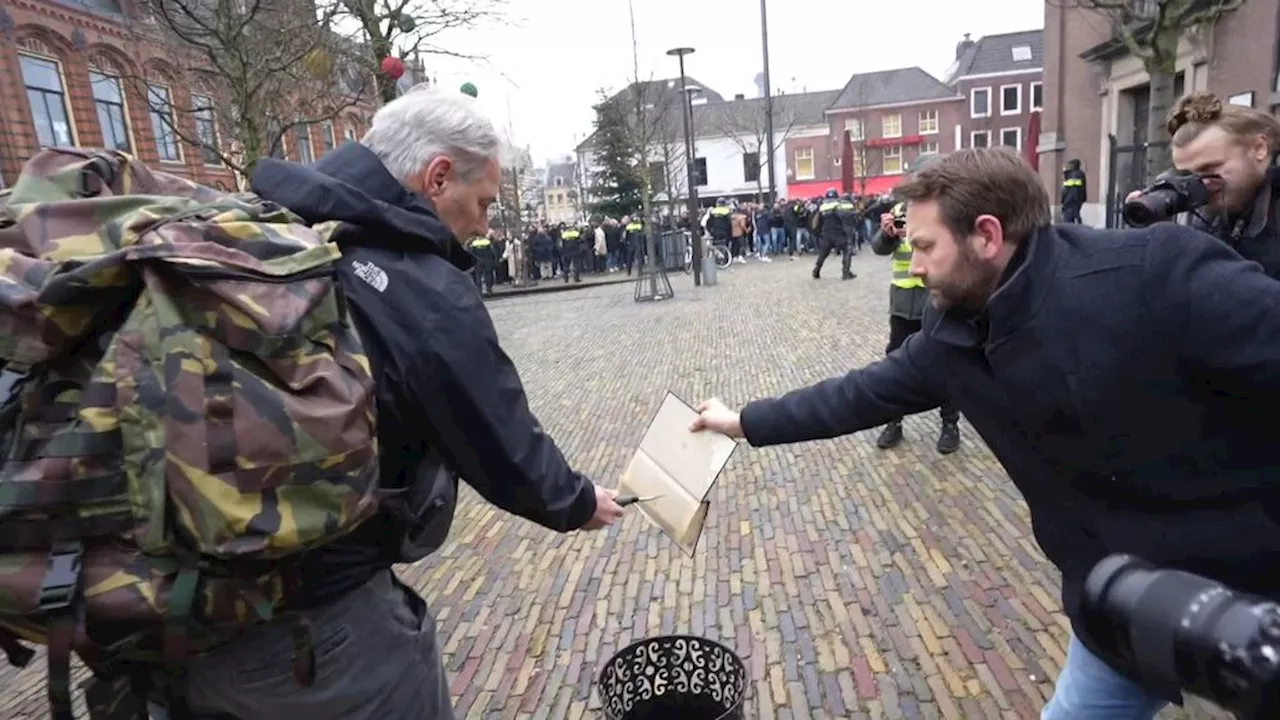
x,y
1150,208
1176,631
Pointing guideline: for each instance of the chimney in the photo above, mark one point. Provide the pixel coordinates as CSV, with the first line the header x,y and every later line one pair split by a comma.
x,y
739,96
963,45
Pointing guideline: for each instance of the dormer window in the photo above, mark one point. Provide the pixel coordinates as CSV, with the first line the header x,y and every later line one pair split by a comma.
x,y
1021,53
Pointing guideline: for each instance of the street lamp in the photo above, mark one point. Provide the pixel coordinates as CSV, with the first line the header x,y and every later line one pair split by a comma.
x,y
768,98
686,116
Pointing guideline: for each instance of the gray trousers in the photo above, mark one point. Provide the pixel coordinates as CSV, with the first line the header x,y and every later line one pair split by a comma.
x,y
376,659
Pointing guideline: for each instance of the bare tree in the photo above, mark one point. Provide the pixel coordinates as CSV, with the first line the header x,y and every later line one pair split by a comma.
x,y
1150,30
410,28
750,133
671,176
255,69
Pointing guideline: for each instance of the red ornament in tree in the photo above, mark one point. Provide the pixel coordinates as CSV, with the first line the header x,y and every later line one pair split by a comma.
x,y
393,67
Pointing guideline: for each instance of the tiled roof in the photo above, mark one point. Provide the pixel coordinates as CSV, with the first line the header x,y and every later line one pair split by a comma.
x,y
1009,52
734,117
890,87
563,170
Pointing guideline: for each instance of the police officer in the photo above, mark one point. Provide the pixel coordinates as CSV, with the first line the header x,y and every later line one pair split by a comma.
x,y
720,222
571,247
1074,191
633,243
848,213
829,226
486,263
907,300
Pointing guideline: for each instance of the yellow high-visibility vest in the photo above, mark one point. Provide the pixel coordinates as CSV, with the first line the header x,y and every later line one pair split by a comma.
x,y
570,235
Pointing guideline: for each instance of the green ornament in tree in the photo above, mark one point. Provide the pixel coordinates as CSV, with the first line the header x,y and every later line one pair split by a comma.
x,y
405,23
470,89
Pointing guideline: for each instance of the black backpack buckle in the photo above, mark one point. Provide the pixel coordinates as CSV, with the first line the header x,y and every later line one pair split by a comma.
x,y
61,581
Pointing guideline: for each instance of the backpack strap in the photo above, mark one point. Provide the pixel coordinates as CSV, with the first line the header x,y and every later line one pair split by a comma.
x,y
58,600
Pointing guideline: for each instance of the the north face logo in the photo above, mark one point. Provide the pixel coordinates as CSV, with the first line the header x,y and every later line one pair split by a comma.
x,y
372,274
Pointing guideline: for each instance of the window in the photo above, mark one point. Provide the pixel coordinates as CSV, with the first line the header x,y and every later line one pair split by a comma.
x,y
892,160
859,163
304,144
929,148
349,134
1037,95
700,171
108,101
751,166
327,137
43,79
980,102
275,138
206,129
891,126
804,163
1021,53
657,176
1011,138
558,182
929,122
161,108
854,126
980,139
1010,99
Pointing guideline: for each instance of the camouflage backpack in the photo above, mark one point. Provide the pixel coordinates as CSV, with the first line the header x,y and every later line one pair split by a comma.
x,y
185,408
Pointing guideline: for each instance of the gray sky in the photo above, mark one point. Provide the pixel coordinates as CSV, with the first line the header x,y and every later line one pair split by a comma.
x,y
557,54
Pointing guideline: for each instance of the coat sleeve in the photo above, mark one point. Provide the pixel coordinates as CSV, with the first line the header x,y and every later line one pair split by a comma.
x,y
473,399
1222,312
883,243
904,383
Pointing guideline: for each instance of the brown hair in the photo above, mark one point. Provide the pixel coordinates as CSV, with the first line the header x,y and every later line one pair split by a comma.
x,y
1196,112
982,181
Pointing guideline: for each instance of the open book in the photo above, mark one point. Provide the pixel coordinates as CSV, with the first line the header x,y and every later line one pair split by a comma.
x,y
681,468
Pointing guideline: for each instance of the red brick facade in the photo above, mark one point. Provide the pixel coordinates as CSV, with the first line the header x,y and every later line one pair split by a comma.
x,y
998,107
78,41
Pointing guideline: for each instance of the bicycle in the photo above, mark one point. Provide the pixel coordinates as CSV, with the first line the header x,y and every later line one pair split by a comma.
x,y
719,251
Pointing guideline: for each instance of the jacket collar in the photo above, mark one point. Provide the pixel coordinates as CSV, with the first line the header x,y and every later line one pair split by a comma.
x,y
1014,303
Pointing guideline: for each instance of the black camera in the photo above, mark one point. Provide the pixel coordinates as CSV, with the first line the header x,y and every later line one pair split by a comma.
x,y
1172,193
1174,631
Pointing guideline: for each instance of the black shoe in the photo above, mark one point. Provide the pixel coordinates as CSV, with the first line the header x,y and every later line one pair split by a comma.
x,y
890,436
848,276
949,438
817,274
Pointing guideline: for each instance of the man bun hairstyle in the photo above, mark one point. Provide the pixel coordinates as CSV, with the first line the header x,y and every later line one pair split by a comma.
x,y
1195,113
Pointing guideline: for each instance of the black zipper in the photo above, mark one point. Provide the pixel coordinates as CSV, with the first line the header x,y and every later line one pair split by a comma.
x,y
223,273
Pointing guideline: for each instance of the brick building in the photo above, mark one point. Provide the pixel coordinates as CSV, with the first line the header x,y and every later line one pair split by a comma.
x,y
1096,93
1001,77
892,117
66,78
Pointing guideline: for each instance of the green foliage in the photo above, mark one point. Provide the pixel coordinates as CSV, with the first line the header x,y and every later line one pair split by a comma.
x,y
617,184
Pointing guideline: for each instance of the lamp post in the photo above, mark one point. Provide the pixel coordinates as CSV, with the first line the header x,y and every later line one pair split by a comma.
x,y
768,98
686,116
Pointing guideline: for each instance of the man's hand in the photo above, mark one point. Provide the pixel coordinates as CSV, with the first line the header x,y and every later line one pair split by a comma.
x,y
887,226
1133,196
713,415
607,510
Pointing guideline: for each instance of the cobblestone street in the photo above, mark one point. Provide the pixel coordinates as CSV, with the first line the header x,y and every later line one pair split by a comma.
x,y
855,583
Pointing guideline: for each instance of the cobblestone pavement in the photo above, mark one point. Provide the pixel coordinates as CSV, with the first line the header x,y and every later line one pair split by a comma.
x,y
855,583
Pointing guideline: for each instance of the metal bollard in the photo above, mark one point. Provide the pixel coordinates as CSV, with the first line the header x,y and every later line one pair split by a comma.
x,y
709,270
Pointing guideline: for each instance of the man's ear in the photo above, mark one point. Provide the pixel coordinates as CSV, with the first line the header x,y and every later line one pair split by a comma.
x,y
436,176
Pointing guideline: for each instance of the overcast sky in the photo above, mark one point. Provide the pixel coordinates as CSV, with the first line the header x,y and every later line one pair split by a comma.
x,y
544,69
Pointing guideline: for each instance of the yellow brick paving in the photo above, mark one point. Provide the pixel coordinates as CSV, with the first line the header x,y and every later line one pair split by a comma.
x,y
854,582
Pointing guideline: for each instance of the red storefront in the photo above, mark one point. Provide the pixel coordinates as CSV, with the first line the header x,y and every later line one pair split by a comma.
x,y
816,188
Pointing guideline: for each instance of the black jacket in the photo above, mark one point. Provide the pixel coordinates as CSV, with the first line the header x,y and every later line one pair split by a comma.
x,y
1129,383
450,402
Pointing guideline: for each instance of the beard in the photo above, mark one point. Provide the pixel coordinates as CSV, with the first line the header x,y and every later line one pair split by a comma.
x,y
968,286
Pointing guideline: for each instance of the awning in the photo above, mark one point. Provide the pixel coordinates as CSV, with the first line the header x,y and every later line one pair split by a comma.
x,y
861,186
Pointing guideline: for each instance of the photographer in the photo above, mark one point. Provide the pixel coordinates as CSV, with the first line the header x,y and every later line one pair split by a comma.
x,y
1231,152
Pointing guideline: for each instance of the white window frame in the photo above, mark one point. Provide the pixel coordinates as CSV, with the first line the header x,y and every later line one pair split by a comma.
x,y
892,152
924,115
1032,100
813,166
855,128
973,95
929,148
306,146
1016,110
975,134
67,108
124,103
327,130
1018,145
213,119
884,130
173,123
1013,53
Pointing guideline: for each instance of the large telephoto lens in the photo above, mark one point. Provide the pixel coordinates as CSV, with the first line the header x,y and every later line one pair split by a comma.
x,y
1176,631
1151,207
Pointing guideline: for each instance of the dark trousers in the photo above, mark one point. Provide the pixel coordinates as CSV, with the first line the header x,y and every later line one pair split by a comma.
x,y
1071,214
571,264
825,248
900,329
484,273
